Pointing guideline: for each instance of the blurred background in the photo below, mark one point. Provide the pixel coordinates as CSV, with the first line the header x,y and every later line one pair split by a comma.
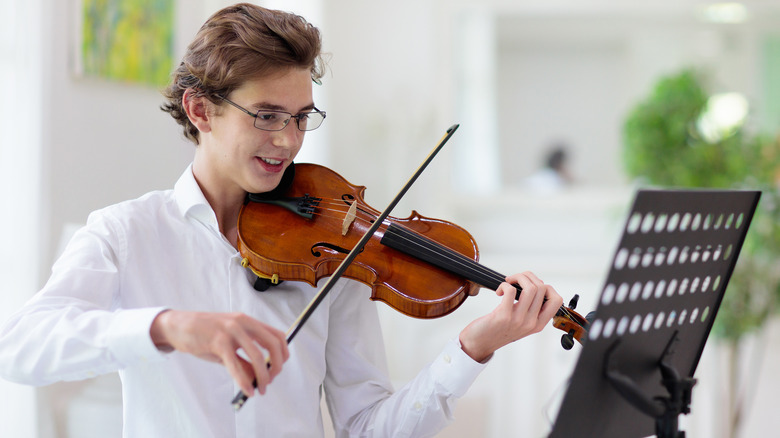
x,y
553,100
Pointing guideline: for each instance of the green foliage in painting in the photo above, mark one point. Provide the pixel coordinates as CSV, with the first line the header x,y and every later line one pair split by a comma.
x,y
128,40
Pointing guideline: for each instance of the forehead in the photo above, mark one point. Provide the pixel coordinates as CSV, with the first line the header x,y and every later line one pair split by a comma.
x,y
290,89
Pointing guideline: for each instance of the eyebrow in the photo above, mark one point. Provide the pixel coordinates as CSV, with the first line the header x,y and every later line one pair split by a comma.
x,y
274,107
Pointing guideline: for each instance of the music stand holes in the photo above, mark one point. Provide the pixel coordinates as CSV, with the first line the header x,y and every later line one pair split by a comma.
x,y
636,289
716,254
595,330
705,314
672,255
633,259
695,284
685,222
647,292
684,286
647,259
636,322
648,322
681,320
716,283
609,294
727,253
684,255
659,320
740,219
672,288
695,254
609,327
622,293
660,223
622,326
705,255
696,223
621,258
729,221
671,319
660,256
634,223
694,314
707,222
659,290
647,223
719,221
674,221
705,284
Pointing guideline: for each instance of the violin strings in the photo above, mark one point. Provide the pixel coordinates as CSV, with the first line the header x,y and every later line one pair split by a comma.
x,y
343,205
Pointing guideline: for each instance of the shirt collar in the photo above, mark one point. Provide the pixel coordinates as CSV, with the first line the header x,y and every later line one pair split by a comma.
x,y
190,199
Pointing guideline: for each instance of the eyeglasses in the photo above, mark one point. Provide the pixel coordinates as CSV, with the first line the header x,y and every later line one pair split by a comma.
x,y
277,120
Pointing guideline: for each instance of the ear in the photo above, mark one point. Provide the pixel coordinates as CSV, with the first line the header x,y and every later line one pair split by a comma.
x,y
196,108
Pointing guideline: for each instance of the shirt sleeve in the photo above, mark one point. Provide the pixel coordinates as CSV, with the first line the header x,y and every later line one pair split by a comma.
x,y
72,329
360,397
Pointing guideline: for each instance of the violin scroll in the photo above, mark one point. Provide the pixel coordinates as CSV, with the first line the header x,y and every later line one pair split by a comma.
x,y
571,322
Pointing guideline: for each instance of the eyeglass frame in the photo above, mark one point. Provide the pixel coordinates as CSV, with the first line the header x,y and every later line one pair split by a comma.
x,y
297,117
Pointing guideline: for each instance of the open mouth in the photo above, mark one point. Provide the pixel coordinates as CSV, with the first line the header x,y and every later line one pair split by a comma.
x,y
270,164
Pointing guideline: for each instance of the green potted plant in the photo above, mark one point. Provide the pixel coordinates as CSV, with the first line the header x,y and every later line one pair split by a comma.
x,y
674,139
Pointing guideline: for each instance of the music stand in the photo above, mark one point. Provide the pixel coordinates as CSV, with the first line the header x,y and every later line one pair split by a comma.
x,y
634,375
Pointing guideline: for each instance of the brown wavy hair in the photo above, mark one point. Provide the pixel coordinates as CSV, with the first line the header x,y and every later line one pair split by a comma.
x,y
236,44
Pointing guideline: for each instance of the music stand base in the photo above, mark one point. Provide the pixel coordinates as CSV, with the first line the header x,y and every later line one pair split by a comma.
x,y
665,410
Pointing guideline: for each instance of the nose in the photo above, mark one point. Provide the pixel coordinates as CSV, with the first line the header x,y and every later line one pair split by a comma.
x,y
289,137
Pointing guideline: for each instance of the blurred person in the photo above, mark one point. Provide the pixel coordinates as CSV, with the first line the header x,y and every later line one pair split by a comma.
x,y
554,175
154,288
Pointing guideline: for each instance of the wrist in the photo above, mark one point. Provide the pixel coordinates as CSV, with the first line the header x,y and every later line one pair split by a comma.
x,y
478,353
157,331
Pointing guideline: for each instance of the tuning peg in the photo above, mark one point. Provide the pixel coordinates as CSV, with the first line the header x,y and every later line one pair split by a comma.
x,y
573,302
567,341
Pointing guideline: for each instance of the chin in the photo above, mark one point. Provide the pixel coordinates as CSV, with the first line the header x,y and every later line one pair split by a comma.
x,y
265,184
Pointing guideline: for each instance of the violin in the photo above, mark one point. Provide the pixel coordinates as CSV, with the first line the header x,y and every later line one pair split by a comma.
x,y
420,266
303,230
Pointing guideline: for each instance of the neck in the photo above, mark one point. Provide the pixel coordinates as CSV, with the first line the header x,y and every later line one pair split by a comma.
x,y
225,201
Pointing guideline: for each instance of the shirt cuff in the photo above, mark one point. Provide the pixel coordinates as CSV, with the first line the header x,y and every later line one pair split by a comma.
x,y
129,339
455,370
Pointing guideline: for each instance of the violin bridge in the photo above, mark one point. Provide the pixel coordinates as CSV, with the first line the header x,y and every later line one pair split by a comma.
x,y
349,218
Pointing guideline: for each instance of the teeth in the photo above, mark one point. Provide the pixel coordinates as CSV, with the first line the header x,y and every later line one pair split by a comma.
x,y
271,162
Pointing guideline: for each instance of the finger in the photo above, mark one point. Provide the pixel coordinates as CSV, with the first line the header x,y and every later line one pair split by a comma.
x,y
275,343
529,289
256,359
553,302
507,292
528,275
240,370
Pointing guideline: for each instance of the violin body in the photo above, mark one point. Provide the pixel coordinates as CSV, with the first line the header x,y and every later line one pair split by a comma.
x,y
316,224
279,240
422,267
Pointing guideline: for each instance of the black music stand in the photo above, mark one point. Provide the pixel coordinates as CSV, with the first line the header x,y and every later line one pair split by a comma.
x,y
634,376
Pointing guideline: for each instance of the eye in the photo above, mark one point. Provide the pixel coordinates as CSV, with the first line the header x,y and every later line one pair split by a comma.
x,y
267,116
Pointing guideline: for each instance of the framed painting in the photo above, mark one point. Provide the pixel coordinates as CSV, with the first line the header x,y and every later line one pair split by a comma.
x,y
126,40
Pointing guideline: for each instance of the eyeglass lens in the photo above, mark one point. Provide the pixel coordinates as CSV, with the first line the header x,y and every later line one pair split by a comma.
x,y
277,120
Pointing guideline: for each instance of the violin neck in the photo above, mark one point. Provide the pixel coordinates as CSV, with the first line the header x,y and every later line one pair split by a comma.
x,y
426,250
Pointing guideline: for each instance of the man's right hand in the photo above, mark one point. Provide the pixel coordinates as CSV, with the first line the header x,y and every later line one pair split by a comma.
x,y
217,337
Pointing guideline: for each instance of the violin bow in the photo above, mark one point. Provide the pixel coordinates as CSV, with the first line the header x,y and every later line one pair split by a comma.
x,y
241,398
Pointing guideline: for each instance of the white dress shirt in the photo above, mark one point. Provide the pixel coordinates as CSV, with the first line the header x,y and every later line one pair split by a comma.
x,y
164,250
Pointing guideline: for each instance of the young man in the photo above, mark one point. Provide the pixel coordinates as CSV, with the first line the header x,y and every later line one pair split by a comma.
x,y
154,287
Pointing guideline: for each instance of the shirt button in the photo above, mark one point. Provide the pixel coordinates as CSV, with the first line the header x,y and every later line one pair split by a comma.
x,y
418,406
447,358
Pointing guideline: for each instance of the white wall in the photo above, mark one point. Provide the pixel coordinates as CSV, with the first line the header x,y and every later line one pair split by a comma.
x,y
20,75
392,90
